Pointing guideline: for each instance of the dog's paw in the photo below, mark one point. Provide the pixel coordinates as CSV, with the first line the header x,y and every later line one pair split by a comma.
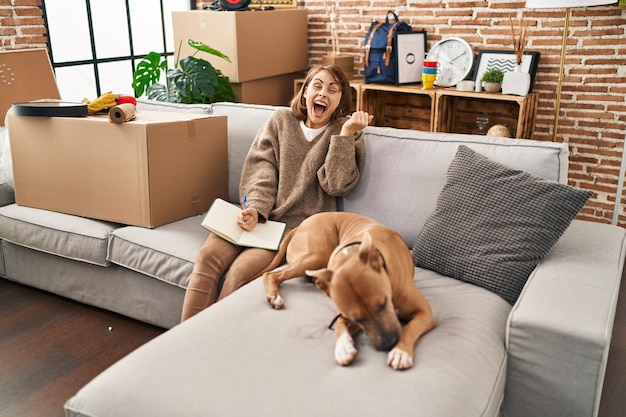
x,y
399,359
276,301
345,352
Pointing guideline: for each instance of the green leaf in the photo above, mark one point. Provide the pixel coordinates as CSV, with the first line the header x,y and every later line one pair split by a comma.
x,y
195,82
206,48
224,90
148,72
162,93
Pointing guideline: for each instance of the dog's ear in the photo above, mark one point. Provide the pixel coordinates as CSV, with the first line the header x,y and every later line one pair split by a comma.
x,y
368,254
322,278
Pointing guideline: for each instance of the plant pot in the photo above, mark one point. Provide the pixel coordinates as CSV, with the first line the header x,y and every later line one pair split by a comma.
x,y
492,87
516,82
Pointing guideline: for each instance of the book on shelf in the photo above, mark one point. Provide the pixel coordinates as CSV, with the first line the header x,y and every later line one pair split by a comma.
x,y
221,219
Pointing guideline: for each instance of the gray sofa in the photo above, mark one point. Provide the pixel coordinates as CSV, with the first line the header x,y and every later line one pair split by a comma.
x,y
545,355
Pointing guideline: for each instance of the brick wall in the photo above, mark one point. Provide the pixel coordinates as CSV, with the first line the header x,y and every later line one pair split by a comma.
x,y
21,24
593,105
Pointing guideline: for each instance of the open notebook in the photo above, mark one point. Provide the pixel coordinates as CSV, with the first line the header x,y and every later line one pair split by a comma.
x,y
221,219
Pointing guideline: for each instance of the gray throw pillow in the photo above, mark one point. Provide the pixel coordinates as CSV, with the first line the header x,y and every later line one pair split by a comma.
x,y
493,224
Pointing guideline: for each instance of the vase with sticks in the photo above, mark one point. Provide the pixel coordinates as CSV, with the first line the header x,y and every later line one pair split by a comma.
x,y
345,61
518,81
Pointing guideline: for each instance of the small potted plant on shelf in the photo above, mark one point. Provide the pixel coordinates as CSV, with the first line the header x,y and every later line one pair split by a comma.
x,y
493,80
191,81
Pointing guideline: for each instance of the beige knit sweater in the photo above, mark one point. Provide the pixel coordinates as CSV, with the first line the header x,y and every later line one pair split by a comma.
x,y
287,178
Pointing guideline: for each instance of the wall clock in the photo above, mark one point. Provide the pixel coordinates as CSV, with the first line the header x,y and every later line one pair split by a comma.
x,y
456,60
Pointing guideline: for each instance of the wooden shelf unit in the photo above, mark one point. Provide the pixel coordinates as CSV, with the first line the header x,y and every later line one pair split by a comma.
x,y
442,109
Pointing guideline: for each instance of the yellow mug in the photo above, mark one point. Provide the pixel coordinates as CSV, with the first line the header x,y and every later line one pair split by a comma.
x,y
428,80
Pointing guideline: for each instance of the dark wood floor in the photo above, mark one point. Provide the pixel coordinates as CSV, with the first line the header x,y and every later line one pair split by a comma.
x,y
50,347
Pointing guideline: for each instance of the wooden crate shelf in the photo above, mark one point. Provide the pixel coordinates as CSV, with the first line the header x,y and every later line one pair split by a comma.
x,y
456,111
401,107
442,109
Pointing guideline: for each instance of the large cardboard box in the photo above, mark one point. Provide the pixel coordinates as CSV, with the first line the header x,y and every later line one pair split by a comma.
x,y
274,91
156,169
25,75
260,44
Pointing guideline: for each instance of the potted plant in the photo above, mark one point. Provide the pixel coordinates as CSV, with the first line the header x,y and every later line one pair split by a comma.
x,y
191,81
493,80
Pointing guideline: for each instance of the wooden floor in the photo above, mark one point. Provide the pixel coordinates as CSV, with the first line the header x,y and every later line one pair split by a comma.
x,y
50,347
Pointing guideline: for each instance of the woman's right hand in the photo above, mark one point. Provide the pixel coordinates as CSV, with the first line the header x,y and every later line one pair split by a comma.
x,y
248,218
356,122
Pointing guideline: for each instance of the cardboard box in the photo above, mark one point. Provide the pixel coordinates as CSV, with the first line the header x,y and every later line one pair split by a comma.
x,y
25,75
274,91
153,170
260,44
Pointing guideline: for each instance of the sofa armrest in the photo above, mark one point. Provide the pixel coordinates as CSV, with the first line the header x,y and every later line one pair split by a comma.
x,y
559,331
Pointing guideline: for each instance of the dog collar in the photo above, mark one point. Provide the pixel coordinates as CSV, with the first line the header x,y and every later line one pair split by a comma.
x,y
358,242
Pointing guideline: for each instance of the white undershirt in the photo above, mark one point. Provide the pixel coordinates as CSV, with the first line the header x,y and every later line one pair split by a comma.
x,y
310,133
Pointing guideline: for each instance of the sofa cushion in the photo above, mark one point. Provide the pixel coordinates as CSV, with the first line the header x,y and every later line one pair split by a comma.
x,y
166,253
493,224
389,173
68,236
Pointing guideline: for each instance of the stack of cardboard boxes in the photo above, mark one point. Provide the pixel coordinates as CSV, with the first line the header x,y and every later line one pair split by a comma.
x,y
267,49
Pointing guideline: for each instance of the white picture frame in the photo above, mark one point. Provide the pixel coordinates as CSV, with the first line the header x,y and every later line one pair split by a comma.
x,y
410,55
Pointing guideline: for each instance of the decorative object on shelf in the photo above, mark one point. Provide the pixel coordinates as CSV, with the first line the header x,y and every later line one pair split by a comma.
x,y
430,72
500,131
410,52
381,49
344,61
456,60
191,81
517,81
567,5
465,85
505,61
492,79
481,125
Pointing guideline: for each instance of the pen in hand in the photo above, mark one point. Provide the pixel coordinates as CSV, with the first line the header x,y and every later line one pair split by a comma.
x,y
245,201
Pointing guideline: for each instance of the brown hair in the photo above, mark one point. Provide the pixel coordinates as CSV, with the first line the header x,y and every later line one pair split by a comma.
x,y
298,103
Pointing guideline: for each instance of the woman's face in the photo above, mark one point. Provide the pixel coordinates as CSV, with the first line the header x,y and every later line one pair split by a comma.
x,y
322,97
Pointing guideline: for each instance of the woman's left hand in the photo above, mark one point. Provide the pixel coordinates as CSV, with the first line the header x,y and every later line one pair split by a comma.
x,y
357,121
248,218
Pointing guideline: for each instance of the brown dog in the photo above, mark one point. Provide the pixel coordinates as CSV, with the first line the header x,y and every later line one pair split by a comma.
x,y
367,271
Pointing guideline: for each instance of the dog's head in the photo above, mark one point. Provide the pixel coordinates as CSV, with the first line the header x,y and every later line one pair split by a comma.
x,y
356,280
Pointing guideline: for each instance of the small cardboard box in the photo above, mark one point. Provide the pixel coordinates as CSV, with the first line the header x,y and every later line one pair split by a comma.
x,y
153,170
25,75
260,44
273,91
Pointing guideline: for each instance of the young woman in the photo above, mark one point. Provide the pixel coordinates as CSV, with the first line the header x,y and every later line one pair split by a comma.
x,y
301,160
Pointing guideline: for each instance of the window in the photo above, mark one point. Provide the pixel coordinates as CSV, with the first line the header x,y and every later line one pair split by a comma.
x,y
95,44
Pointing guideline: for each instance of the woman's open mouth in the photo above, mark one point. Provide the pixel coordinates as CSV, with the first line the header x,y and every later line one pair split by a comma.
x,y
319,108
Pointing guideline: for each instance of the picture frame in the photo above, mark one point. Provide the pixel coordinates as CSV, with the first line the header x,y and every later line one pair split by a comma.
x,y
505,61
410,55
